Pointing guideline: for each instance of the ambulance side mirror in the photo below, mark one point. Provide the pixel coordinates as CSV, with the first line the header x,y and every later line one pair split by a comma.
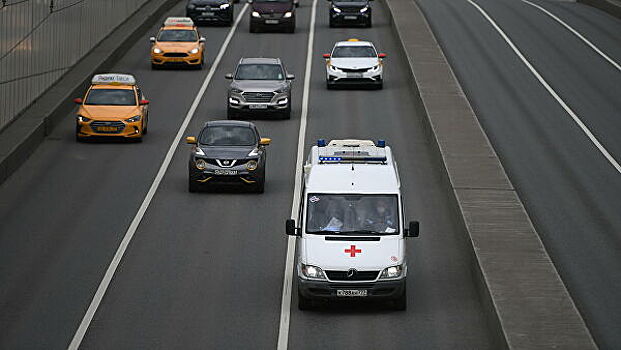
x,y
290,228
413,229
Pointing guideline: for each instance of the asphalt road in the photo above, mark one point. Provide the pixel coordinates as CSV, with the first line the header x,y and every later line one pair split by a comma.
x,y
205,270
570,190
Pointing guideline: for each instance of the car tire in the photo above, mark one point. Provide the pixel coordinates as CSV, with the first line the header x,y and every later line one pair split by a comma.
x,y
259,186
369,23
154,66
332,23
193,186
253,28
401,303
379,85
232,114
304,303
329,86
291,28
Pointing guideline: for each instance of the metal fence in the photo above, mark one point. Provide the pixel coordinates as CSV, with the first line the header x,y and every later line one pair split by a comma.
x,y
41,39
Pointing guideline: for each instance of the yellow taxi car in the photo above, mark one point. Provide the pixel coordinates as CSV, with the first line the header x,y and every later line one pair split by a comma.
x,y
113,106
178,43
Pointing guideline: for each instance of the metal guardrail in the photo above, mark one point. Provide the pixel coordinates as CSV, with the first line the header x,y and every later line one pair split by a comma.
x,y
41,39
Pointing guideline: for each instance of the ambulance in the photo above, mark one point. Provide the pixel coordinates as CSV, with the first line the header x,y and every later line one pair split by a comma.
x,y
350,227
113,106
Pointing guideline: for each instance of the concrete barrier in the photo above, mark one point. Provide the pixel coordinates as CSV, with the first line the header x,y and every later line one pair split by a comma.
x,y
527,304
22,136
612,7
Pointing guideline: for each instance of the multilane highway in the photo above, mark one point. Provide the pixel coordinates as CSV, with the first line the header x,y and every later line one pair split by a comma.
x,y
570,188
206,270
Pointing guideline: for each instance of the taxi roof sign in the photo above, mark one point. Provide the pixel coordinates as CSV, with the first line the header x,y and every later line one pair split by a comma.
x,y
353,39
179,22
113,79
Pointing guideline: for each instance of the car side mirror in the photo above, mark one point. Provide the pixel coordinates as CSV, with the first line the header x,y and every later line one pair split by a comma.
x,y
290,228
265,141
144,102
78,101
249,1
191,140
382,55
202,39
152,39
326,55
413,229
228,76
290,77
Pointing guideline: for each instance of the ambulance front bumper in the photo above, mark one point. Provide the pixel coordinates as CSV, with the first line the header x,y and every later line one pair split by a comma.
x,y
313,289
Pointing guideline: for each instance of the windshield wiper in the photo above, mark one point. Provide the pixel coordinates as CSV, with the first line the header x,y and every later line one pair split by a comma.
x,y
368,232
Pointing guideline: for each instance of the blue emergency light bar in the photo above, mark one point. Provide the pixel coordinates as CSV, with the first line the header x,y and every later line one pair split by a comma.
x,y
352,159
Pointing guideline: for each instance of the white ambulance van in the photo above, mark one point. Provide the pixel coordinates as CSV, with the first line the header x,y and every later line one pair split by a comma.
x,y
351,232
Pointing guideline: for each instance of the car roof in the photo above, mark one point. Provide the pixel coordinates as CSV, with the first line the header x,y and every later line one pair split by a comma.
x,y
229,122
115,87
353,43
259,60
178,28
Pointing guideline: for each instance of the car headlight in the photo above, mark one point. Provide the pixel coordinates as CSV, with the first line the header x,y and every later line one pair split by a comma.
x,y
252,165
377,67
283,101
225,6
201,164
194,50
364,9
288,14
336,9
133,119
191,6
83,119
254,153
392,272
157,50
237,91
255,14
313,272
333,68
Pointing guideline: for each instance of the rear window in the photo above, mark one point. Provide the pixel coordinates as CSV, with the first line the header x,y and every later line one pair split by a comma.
x,y
228,135
259,72
177,35
354,51
111,97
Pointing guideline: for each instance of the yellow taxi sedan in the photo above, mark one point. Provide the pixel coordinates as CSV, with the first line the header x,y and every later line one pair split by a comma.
x,y
113,106
178,43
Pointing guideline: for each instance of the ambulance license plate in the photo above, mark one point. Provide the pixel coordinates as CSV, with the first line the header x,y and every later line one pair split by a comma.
x,y
225,172
271,21
351,292
257,106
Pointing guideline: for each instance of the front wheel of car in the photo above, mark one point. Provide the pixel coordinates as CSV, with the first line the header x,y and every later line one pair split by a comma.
x,y
259,186
193,186
304,303
154,66
332,24
291,28
369,23
253,28
232,114
401,303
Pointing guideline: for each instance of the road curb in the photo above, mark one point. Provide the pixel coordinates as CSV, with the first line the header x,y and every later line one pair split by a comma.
x,y
21,138
610,7
526,303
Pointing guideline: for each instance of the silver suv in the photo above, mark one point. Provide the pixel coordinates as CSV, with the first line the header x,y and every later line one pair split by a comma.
x,y
261,86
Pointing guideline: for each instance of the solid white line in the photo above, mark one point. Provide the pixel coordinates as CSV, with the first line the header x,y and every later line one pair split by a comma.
x,y
576,33
129,234
285,305
545,84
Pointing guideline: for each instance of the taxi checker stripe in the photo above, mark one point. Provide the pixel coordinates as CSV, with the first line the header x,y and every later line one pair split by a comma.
x,y
129,234
353,251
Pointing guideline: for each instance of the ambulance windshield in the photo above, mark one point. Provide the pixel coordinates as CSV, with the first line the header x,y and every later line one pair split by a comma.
x,y
352,214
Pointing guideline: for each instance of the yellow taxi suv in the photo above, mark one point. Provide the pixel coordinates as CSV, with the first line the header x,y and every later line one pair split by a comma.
x,y
113,106
178,43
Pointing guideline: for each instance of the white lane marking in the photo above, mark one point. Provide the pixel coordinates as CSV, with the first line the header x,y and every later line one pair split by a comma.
x,y
576,33
129,234
285,305
545,84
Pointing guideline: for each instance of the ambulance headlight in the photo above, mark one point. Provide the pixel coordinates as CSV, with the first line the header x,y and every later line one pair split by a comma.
x,y
313,272
392,272
194,50
201,164
157,50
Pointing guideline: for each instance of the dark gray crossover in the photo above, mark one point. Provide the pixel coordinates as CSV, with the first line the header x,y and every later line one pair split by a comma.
x,y
227,152
260,86
350,12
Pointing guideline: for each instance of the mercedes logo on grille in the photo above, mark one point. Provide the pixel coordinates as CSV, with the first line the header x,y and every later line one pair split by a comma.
x,y
351,273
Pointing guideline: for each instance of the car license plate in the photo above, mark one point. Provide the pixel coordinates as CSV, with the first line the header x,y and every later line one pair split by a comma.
x,y
257,106
354,75
351,293
106,128
350,17
225,172
208,14
271,21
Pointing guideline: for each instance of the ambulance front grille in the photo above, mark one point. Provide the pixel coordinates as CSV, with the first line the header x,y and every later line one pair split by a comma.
x,y
336,275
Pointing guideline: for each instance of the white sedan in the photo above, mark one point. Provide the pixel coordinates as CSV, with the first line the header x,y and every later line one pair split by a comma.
x,y
354,62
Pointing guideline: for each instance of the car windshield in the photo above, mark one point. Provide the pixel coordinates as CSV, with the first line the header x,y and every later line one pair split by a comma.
x,y
177,35
228,135
272,0
354,51
111,97
259,72
352,214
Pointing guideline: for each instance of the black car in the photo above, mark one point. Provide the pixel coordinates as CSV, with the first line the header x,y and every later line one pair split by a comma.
x,y
227,152
350,12
210,11
272,15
